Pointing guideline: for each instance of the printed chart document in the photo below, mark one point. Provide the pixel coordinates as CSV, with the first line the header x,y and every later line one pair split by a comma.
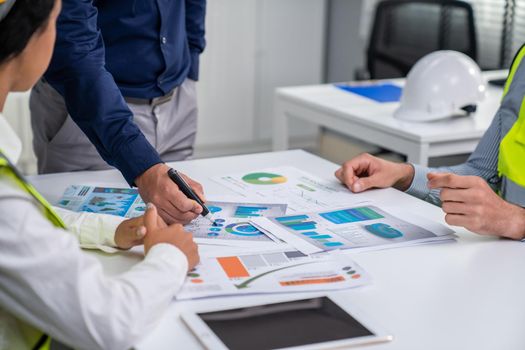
x,y
302,191
272,272
356,227
231,225
124,202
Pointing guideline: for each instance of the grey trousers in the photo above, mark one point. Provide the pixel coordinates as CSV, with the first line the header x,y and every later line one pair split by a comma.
x,y
60,145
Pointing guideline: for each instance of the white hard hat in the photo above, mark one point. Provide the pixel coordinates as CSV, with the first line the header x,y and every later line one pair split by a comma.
x,y
440,85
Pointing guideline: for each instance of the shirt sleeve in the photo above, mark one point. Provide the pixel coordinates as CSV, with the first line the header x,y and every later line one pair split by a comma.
x,y
483,162
195,28
94,231
93,99
47,281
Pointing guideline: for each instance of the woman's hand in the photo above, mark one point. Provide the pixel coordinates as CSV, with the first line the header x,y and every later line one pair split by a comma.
x,y
159,232
130,233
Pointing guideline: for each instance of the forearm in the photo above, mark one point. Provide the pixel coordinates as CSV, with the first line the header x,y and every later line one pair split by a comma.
x,y
93,99
93,231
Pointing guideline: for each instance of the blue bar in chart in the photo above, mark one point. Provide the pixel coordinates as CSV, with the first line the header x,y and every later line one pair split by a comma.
x,y
297,222
310,233
249,212
333,244
320,237
351,215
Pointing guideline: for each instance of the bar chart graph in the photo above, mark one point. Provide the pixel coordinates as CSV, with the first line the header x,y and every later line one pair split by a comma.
x,y
307,227
244,212
351,215
297,222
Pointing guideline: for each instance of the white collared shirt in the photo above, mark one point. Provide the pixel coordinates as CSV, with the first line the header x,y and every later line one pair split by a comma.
x,y
47,281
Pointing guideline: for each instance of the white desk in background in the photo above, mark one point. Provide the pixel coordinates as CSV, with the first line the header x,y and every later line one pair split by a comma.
x,y
464,295
363,119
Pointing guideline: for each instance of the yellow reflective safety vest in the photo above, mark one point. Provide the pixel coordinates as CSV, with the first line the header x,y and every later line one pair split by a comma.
x,y
511,160
40,340
511,157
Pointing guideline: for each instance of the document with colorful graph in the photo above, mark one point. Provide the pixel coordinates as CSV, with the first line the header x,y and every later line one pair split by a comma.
x,y
231,225
124,202
356,227
272,272
300,190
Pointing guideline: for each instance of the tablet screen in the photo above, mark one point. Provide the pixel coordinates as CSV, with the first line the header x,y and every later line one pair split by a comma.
x,y
282,325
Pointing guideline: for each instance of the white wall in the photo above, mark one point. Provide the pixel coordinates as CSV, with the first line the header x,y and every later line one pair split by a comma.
x,y
255,46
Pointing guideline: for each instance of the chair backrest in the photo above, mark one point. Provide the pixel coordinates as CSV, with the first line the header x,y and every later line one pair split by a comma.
x,y
406,30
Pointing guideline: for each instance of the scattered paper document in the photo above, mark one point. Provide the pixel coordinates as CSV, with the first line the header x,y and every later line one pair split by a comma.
x,y
272,272
355,227
300,190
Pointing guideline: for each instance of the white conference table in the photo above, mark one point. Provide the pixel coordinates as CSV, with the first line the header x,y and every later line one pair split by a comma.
x,y
327,106
463,295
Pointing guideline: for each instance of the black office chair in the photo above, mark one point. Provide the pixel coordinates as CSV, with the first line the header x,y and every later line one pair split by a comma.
x,y
406,30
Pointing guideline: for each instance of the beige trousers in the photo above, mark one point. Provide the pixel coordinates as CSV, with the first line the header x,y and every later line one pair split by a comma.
x,y
60,145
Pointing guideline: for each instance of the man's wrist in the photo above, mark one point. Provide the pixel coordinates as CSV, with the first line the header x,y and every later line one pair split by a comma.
x,y
406,177
142,176
517,227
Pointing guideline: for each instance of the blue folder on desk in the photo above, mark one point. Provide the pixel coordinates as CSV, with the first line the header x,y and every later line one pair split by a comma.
x,y
379,92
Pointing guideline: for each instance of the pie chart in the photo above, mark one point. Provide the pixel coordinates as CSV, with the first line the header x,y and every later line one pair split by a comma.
x,y
242,229
264,179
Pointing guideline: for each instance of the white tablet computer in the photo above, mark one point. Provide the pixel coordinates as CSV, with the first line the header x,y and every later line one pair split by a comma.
x,y
317,323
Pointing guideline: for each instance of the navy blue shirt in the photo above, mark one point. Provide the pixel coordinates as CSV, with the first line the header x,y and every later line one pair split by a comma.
x,y
107,49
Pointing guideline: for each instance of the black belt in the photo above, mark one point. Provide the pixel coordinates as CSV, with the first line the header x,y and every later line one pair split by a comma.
x,y
157,101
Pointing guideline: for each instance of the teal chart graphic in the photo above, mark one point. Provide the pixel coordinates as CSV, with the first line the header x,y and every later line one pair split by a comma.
x,y
214,209
226,229
383,230
351,215
243,229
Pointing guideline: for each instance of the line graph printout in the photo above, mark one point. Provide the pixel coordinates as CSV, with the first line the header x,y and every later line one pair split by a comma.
x,y
272,272
300,190
356,227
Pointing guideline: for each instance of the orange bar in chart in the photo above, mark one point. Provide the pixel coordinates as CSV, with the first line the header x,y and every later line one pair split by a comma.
x,y
326,280
233,267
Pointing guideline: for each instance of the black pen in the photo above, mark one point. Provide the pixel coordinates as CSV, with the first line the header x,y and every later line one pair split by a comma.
x,y
188,192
